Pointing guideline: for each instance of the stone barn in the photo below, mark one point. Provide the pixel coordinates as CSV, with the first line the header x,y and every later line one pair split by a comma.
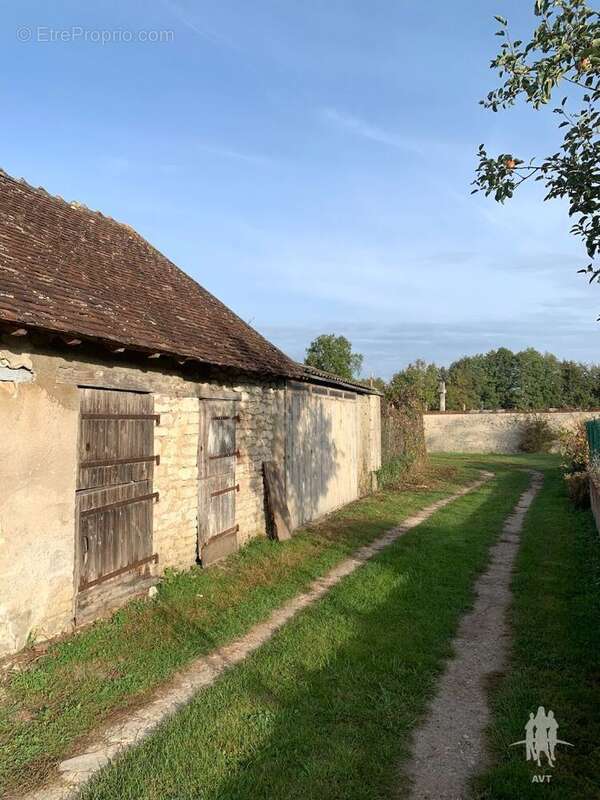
x,y
136,413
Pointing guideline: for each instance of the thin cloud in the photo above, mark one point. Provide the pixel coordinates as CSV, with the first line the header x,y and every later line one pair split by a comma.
x,y
189,22
366,130
237,155
389,348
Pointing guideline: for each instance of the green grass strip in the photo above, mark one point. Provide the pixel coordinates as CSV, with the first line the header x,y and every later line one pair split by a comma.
x,y
325,709
556,656
117,662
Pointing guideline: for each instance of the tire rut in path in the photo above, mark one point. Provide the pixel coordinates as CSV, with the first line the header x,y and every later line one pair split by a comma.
x,y
115,738
450,746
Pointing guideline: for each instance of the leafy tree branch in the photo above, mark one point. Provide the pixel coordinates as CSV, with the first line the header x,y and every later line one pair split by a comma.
x,y
564,49
334,354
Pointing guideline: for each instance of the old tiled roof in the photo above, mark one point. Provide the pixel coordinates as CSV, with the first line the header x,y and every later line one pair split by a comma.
x,y
66,269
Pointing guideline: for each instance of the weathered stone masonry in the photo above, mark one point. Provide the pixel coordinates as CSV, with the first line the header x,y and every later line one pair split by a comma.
x,y
99,334
176,480
39,422
259,438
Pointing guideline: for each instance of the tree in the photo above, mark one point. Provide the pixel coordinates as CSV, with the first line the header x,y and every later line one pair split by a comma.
x,y
463,385
577,389
419,380
502,379
564,50
553,387
375,383
532,391
594,373
334,354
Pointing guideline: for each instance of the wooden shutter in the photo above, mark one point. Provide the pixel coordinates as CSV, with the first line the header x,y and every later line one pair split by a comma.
x,y
217,457
115,494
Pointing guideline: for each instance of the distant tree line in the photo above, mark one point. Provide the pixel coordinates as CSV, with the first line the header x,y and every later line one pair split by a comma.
x,y
527,380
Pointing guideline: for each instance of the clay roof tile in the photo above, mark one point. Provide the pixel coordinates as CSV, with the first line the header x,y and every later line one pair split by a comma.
x,y
66,268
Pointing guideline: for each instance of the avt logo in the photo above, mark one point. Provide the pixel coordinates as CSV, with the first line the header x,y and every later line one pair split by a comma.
x,y
541,740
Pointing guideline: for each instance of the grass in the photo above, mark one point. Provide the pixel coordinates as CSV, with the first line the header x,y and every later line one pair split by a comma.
x,y
556,655
327,707
115,664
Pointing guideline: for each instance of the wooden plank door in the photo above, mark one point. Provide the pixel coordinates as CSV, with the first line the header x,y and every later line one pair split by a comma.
x,y
217,487
114,497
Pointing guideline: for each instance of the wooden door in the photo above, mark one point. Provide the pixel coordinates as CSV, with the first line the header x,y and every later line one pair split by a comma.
x,y
114,496
217,457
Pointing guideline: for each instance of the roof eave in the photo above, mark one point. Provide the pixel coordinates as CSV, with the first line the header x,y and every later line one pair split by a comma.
x,y
15,326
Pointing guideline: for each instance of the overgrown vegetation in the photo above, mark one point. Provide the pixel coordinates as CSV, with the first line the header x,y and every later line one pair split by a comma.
x,y
538,436
116,663
403,452
575,454
326,709
555,654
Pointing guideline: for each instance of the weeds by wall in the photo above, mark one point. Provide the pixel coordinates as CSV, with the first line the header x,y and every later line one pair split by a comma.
x,y
402,440
575,452
537,436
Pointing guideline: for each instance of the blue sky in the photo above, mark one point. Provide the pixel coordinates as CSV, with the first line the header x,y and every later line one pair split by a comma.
x,y
308,162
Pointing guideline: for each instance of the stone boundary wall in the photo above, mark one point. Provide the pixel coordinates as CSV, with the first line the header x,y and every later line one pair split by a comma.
x,y
489,431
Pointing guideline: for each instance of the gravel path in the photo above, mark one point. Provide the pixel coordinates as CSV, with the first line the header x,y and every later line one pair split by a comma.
x,y
450,746
114,739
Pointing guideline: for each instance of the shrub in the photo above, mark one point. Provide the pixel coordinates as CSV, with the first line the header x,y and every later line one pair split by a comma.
x,y
578,488
575,465
538,436
402,436
392,474
574,449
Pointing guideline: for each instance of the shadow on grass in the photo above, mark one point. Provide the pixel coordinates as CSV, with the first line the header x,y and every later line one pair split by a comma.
x,y
555,659
327,708
116,664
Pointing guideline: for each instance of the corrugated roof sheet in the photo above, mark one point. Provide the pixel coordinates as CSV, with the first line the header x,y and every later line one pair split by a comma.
x,y
311,373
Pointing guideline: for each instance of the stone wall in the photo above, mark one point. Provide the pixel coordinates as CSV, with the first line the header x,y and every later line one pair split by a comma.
x,y
260,438
176,480
39,412
39,415
489,432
